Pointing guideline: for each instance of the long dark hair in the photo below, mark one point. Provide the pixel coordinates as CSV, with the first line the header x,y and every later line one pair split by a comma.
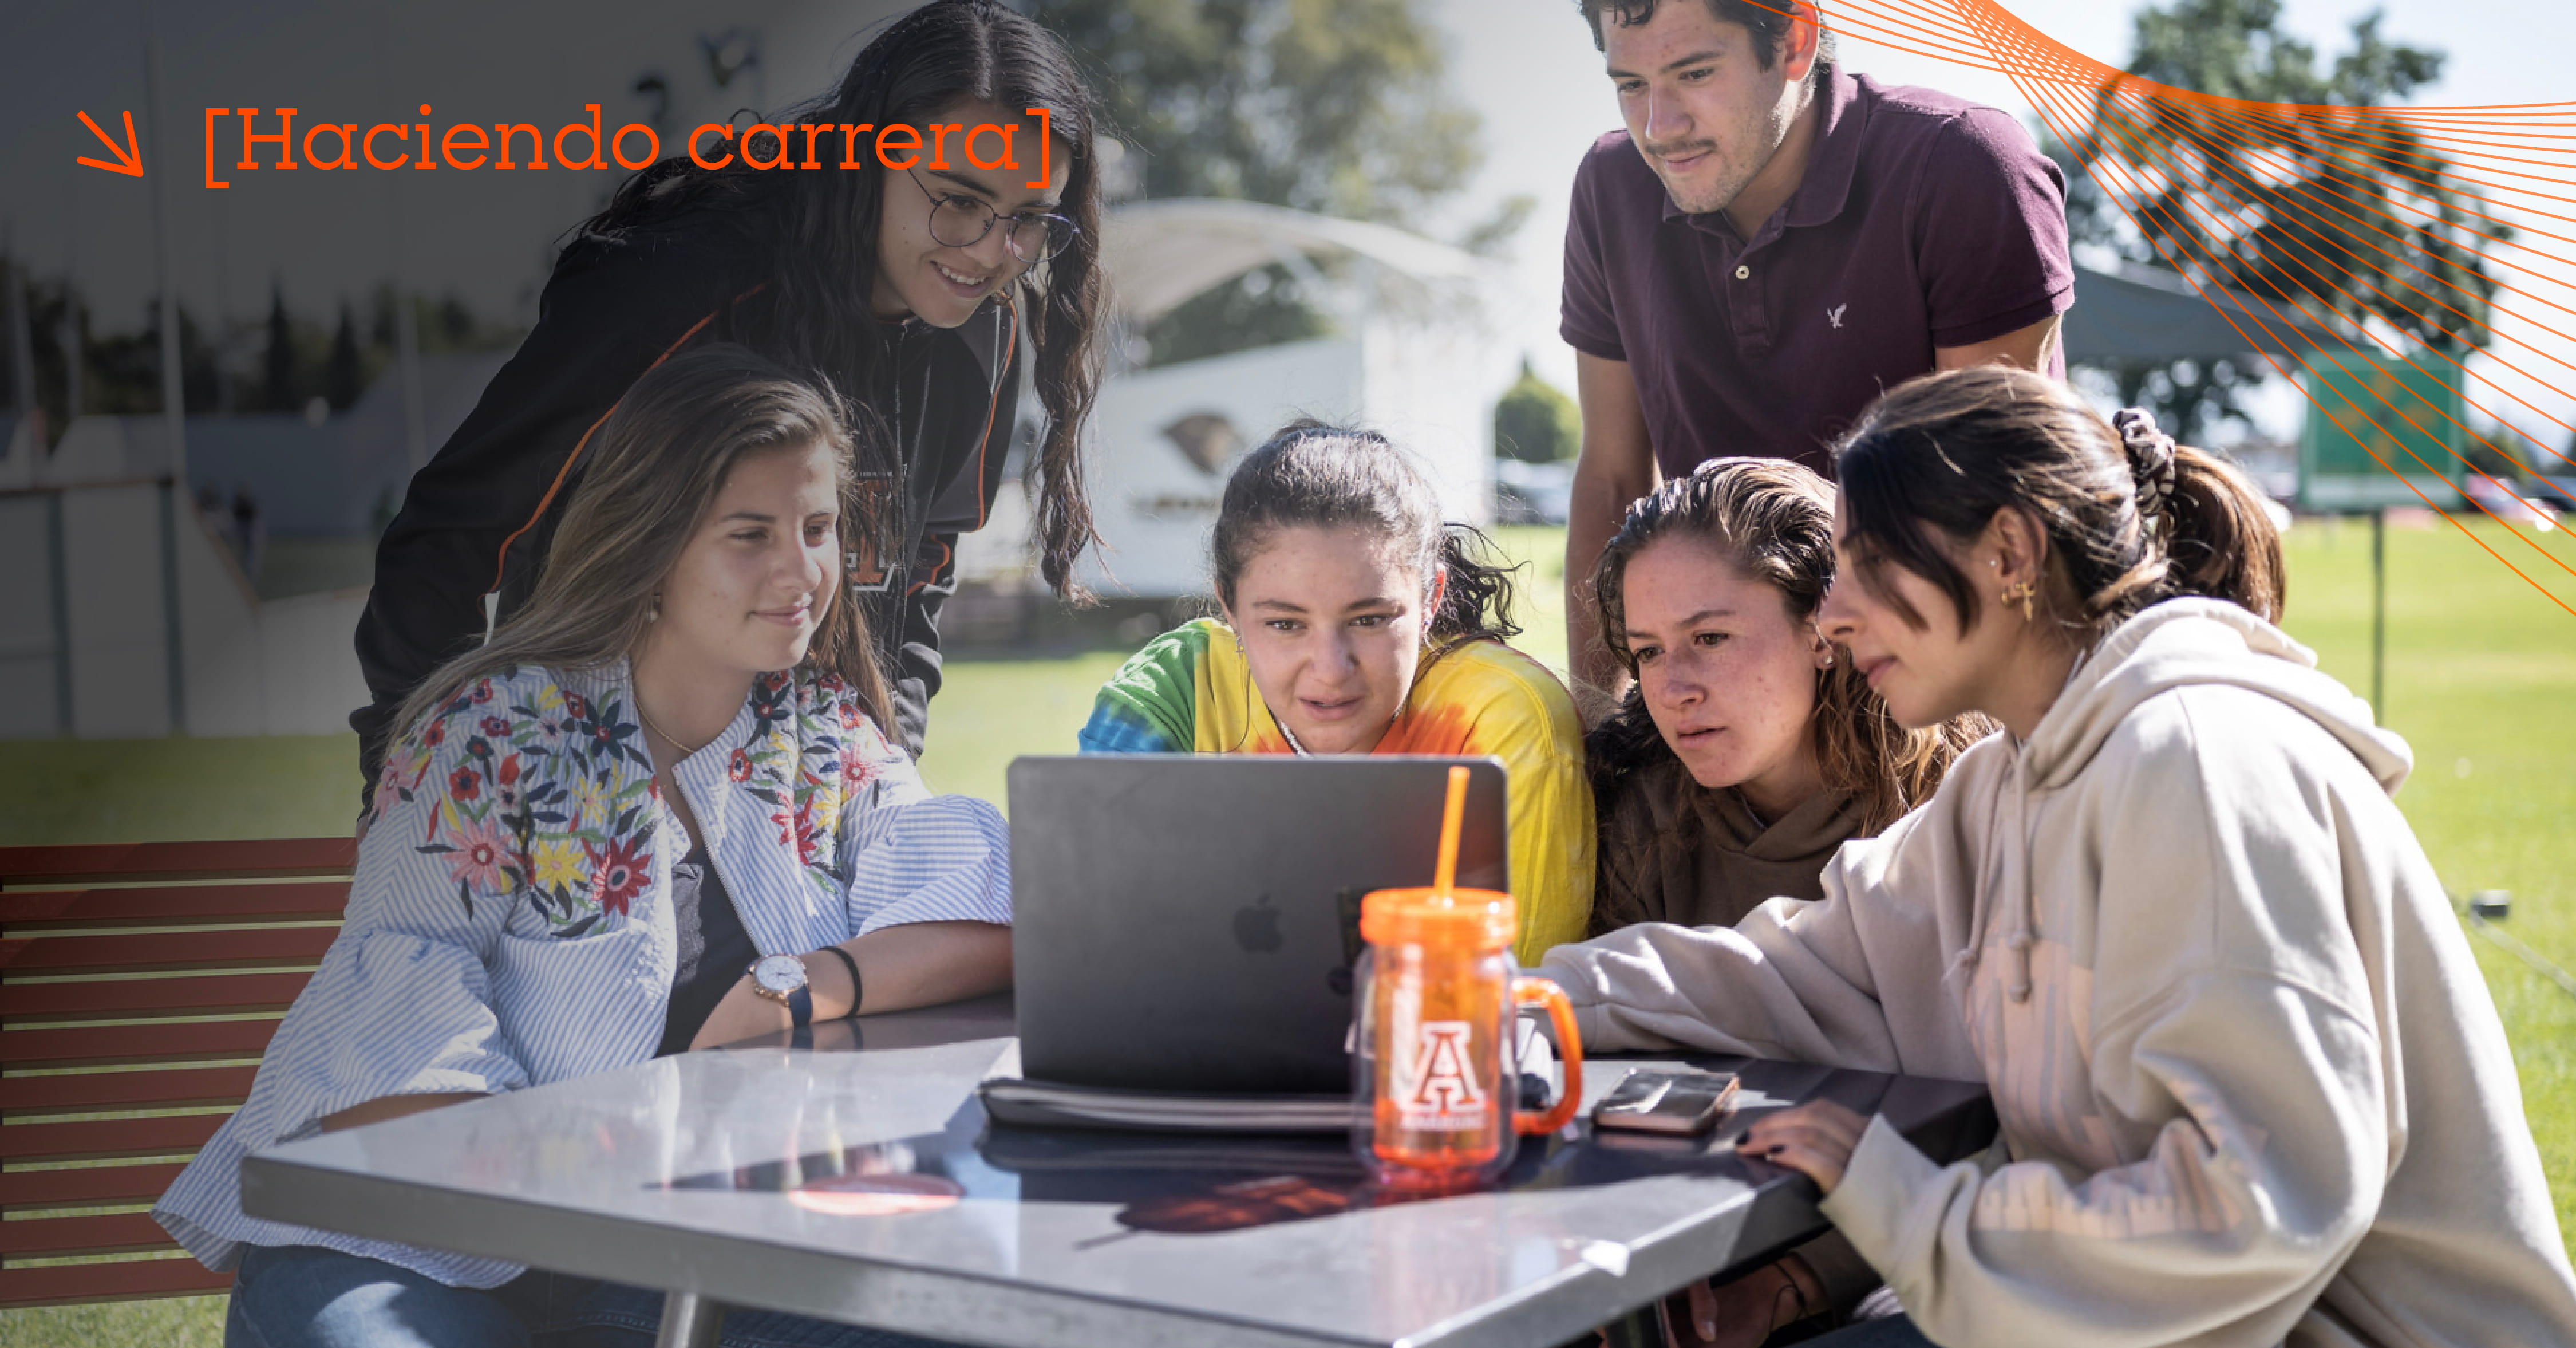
x,y
1773,520
821,227
1316,474
2129,517
661,458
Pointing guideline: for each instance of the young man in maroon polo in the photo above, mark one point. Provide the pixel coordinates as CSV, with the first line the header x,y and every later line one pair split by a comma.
x,y
1770,244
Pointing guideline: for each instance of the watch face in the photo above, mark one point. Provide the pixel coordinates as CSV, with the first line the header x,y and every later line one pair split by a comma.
x,y
779,973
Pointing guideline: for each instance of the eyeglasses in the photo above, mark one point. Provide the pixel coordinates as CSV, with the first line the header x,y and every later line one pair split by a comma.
x,y
960,221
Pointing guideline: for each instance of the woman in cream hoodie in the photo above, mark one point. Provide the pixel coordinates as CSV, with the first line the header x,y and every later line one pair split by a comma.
x,y
2252,1088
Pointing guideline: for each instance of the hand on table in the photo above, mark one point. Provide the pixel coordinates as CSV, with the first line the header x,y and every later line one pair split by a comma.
x,y
1816,1139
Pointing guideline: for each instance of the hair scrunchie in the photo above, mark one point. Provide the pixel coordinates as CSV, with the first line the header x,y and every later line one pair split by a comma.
x,y
2151,461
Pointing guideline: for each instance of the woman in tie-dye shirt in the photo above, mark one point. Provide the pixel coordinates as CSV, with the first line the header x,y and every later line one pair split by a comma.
x,y
1355,622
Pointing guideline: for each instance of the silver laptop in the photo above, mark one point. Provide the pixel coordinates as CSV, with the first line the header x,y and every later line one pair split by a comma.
x,y
1189,923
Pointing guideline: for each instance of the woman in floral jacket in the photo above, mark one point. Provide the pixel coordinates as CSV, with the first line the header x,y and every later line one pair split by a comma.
x,y
670,765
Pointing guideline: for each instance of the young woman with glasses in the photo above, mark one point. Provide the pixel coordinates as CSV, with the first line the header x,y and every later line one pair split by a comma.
x,y
928,295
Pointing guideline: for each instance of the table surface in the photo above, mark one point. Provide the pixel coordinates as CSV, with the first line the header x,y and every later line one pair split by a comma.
x,y
856,1178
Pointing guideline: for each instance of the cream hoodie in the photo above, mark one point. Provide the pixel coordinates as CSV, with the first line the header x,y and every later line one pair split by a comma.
x,y
2251,1084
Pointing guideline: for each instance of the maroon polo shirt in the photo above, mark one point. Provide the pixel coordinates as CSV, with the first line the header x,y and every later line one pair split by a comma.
x,y
1923,221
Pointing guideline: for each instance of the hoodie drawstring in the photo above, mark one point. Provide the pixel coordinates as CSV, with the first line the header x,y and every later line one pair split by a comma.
x,y
1964,964
2022,937
2024,905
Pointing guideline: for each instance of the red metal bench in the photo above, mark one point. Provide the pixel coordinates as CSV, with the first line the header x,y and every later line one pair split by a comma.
x,y
156,973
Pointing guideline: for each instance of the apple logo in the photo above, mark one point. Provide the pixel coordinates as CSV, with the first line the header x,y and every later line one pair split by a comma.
x,y
1256,928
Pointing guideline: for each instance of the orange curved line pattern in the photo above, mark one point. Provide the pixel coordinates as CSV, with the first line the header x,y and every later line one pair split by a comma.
x,y
2351,193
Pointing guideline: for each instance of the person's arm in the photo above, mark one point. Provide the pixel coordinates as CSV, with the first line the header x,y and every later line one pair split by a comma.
x,y
1795,980
385,1107
917,667
2030,348
987,407
1990,233
1150,706
1854,979
901,967
1615,466
928,896
606,315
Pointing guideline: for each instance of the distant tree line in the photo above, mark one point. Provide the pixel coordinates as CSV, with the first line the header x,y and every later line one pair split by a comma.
x,y
279,364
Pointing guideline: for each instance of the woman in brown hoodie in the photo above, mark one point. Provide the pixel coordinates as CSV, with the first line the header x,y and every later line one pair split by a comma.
x,y
1746,751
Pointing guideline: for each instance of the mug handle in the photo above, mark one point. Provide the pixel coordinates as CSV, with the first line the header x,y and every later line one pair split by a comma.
x,y
1569,1051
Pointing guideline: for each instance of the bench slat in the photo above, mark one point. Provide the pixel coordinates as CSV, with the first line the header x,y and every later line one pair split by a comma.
x,y
50,1237
99,1139
164,950
98,863
162,1043
126,1280
104,999
85,1092
86,1186
57,978
172,905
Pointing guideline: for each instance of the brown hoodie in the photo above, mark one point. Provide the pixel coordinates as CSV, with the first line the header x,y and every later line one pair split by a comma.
x,y
1674,851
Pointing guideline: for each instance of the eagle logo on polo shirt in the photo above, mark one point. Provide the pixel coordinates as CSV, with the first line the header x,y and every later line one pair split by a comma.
x,y
1835,315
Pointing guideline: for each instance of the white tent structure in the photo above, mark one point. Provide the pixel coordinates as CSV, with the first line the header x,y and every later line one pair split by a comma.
x,y
1415,356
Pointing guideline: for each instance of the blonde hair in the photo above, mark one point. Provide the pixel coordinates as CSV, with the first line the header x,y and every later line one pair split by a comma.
x,y
659,461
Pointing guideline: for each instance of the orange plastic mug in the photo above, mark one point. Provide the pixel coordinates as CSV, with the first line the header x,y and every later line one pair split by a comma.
x,y
1433,1067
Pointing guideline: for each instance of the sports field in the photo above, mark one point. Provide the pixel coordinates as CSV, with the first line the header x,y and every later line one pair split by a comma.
x,y
2480,677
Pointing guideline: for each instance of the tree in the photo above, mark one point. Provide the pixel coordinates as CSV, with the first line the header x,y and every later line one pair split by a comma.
x,y
1535,422
1333,106
2305,203
280,385
345,377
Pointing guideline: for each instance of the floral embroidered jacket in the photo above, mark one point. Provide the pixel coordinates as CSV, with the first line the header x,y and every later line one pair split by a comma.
x,y
510,925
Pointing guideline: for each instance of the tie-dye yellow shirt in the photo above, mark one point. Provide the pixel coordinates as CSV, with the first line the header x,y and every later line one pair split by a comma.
x,y
1189,691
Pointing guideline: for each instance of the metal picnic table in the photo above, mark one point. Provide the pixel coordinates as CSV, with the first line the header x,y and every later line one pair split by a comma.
x,y
849,1173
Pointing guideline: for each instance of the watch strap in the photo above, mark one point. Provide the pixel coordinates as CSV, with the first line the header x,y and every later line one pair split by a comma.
x,y
857,995
800,1005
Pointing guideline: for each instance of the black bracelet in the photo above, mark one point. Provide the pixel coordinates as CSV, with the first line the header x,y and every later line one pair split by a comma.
x,y
853,966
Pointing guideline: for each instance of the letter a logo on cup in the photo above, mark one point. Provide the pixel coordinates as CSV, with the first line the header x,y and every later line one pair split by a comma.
x,y
1440,1092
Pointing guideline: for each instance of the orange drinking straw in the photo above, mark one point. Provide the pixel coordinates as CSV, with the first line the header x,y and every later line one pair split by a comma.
x,y
1445,879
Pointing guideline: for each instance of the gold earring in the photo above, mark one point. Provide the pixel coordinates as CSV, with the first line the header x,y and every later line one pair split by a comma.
x,y
2021,592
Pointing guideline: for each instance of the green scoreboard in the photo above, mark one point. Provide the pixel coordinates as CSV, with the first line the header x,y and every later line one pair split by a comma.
x,y
2380,432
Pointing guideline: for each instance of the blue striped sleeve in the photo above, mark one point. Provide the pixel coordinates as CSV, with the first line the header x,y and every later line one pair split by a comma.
x,y
944,859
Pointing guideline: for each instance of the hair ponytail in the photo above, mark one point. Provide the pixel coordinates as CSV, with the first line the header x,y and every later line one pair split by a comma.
x,y
2223,543
2131,518
1478,603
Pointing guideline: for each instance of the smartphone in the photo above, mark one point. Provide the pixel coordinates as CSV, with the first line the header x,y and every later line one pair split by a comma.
x,y
1666,1102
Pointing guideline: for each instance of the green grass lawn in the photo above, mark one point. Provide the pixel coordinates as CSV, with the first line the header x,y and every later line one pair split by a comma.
x,y
2481,679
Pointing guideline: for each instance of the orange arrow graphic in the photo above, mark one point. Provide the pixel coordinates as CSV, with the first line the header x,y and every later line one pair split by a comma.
x,y
129,157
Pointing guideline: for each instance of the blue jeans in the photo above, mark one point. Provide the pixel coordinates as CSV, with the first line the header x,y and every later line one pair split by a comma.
x,y
303,1296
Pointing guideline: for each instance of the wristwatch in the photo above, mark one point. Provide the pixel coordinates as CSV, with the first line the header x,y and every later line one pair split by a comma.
x,y
781,979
